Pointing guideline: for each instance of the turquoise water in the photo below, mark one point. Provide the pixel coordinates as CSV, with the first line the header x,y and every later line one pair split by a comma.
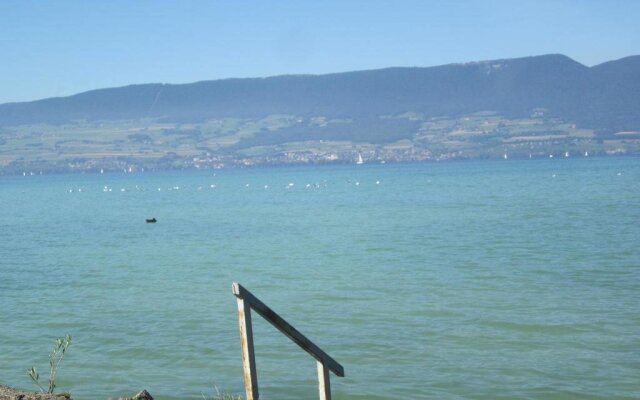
x,y
456,280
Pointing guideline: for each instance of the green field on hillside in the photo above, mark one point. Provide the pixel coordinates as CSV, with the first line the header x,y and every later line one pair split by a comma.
x,y
282,139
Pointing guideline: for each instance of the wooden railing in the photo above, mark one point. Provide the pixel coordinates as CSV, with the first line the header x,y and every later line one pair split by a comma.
x,y
246,302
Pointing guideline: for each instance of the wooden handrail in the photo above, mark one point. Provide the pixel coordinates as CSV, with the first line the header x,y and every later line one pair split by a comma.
x,y
246,302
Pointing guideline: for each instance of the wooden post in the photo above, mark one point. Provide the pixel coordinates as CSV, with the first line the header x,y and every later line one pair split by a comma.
x,y
283,326
247,301
324,385
248,356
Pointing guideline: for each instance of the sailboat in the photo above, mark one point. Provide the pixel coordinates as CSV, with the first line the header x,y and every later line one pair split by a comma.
x,y
360,161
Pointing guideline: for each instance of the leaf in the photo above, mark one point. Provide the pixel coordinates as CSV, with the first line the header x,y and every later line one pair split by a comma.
x,y
33,373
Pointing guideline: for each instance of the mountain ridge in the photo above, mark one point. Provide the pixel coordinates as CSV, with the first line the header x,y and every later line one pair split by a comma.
x,y
517,86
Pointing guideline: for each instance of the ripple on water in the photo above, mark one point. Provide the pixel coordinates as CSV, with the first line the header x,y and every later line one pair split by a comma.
x,y
448,280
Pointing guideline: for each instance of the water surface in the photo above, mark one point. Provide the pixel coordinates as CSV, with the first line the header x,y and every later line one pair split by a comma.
x,y
456,280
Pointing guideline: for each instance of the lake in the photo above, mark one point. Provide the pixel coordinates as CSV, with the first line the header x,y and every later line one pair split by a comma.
x,y
449,280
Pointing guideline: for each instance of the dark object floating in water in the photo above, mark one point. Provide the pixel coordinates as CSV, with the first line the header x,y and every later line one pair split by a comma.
x,y
151,221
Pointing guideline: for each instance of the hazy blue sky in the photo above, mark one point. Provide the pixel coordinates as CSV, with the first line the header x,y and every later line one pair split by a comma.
x,y
57,48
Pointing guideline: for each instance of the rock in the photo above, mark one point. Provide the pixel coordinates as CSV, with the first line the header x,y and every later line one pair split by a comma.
x,y
7,393
144,395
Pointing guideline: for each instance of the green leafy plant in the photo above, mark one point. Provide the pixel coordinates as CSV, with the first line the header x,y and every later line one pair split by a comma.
x,y
55,358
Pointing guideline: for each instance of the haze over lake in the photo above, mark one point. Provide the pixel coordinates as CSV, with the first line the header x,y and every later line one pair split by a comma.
x,y
485,280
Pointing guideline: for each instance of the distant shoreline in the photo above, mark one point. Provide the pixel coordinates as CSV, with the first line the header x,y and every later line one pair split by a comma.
x,y
96,169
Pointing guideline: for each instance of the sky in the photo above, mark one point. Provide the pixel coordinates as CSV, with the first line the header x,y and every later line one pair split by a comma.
x,y
63,47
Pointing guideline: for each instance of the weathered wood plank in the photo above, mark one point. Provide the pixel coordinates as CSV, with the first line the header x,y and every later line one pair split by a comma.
x,y
283,326
324,384
248,356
